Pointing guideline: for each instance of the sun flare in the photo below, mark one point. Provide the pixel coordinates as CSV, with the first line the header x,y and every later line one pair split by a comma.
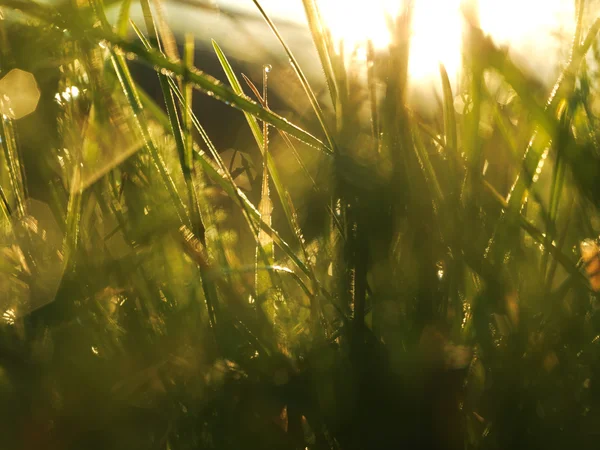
x,y
437,27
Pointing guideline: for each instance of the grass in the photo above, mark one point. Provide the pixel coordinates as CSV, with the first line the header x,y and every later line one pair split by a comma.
x,y
425,290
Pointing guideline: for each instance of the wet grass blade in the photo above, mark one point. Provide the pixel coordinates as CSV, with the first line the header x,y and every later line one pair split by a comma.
x,y
154,58
202,215
303,80
218,172
261,141
237,88
175,123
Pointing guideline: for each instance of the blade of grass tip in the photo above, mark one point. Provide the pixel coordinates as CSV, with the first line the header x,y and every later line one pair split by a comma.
x,y
320,40
279,188
123,19
449,117
237,88
275,175
303,80
292,148
265,249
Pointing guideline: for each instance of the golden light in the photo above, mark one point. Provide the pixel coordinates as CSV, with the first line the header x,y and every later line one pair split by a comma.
x,y
529,26
19,94
519,21
436,38
436,30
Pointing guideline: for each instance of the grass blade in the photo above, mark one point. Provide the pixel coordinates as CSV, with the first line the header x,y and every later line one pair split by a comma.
x,y
320,40
303,80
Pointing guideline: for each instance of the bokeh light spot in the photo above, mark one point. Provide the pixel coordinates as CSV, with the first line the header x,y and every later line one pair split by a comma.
x,y
19,94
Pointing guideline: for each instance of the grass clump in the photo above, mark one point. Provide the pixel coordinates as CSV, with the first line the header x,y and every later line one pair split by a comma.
x,y
425,290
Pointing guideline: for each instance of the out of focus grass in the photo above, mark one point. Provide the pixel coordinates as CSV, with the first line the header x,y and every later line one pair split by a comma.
x,y
423,289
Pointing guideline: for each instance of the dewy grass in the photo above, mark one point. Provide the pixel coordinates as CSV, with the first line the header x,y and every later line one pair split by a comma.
x,y
423,290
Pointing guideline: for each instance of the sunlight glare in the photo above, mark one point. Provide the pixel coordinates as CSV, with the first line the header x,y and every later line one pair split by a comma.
x,y
529,26
436,34
436,38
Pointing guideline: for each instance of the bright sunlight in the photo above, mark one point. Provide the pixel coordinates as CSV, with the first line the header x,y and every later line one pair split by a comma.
x,y
438,25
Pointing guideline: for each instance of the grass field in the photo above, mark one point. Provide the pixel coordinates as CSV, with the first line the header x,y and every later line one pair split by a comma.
x,y
363,277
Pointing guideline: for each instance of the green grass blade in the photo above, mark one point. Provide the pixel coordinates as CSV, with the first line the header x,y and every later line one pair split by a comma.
x,y
123,19
303,80
11,158
217,171
155,59
450,132
320,40
259,137
427,167
237,88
